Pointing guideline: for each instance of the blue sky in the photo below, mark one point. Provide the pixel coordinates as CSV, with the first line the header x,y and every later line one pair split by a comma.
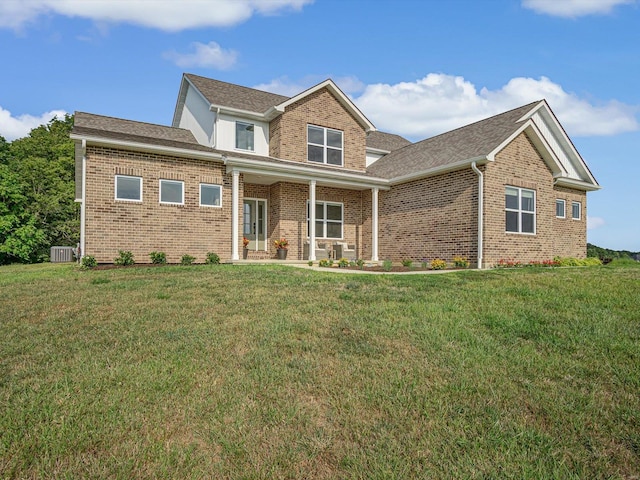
x,y
416,68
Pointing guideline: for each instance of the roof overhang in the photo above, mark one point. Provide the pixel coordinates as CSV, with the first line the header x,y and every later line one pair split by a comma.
x,y
450,167
577,184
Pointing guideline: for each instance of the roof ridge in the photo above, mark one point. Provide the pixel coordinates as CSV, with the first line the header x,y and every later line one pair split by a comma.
x,y
187,74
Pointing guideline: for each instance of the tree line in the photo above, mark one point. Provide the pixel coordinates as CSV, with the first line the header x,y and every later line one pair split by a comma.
x,y
37,193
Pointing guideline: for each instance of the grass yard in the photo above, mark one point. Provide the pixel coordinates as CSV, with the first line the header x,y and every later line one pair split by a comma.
x,y
275,372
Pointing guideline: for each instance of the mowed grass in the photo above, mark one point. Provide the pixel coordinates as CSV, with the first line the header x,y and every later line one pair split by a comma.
x,y
275,372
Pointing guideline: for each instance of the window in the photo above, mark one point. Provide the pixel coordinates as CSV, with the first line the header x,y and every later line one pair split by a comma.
x,y
172,191
128,188
324,145
576,208
560,208
520,206
244,136
210,195
328,220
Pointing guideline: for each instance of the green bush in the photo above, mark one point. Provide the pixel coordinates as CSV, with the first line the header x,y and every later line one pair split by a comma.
x,y
387,265
124,258
360,263
212,259
460,262
158,258
88,262
343,262
438,264
187,259
310,263
407,262
324,262
577,262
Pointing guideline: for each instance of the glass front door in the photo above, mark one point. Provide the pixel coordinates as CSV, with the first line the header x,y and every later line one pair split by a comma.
x,y
254,225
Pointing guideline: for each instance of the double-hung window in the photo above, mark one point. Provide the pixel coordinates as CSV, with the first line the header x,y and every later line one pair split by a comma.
x,y
560,208
329,220
576,210
210,195
244,136
172,192
324,145
128,188
520,208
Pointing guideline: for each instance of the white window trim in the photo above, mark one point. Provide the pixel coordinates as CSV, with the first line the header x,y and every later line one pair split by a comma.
x,y
564,208
115,189
324,220
235,143
579,204
325,146
520,211
210,185
160,191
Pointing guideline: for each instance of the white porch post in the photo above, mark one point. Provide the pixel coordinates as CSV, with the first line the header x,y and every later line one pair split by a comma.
x,y
312,220
374,224
235,186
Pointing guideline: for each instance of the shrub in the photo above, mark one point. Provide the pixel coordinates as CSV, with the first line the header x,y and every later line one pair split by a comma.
x,y
310,263
158,258
360,263
424,263
212,259
324,263
460,262
187,259
387,265
124,258
577,262
88,262
343,262
407,262
438,264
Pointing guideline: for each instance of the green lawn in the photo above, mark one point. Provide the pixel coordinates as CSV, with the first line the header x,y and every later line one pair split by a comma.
x,y
275,372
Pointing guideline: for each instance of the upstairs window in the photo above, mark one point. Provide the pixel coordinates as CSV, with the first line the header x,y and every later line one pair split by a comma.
x,y
244,136
128,188
576,210
172,192
324,145
560,208
520,207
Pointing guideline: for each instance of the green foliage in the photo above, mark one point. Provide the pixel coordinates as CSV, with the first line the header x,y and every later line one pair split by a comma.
x,y
158,258
343,262
124,258
438,264
212,259
387,265
187,260
602,253
324,262
360,263
577,262
407,262
460,262
310,263
88,262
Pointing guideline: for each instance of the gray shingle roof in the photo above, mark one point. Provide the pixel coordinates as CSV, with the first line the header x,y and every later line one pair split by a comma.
x,y
386,141
472,141
235,96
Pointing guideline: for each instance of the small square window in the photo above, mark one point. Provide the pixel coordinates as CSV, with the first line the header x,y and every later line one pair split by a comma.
x,y
576,208
210,195
244,136
560,208
128,188
172,192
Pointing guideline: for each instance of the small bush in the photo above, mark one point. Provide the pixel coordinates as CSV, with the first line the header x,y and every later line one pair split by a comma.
x,y
324,262
187,259
387,265
124,258
310,263
438,264
577,262
212,259
424,263
158,258
343,262
407,262
360,263
460,262
88,262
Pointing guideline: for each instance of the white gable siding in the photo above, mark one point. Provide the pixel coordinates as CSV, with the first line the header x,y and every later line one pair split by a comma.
x,y
197,117
373,157
227,134
556,146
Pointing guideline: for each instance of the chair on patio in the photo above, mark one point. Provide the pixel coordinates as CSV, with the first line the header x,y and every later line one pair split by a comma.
x,y
320,250
343,250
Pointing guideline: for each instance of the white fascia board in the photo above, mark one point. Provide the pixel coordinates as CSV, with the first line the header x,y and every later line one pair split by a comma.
x,y
145,147
577,184
439,170
531,112
239,112
378,151
300,172
346,101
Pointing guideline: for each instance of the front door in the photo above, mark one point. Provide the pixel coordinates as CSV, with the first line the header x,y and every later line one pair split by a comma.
x,y
255,223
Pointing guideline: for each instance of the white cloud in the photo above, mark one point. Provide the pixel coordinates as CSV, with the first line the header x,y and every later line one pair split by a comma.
x,y
573,8
284,86
17,127
438,103
210,55
167,15
595,222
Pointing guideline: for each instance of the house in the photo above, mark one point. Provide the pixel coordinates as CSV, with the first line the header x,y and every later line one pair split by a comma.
x,y
242,163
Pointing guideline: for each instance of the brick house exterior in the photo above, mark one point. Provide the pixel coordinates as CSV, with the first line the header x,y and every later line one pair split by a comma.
x,y
240,163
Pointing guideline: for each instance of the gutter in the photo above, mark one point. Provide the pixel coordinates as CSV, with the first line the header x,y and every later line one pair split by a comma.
x,y
480,211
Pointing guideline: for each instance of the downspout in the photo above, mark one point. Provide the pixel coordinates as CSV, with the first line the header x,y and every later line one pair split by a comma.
x,y
83,204
215,129
480,210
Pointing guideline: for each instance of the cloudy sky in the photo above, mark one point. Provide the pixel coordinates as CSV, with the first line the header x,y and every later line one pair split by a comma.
x,y
416,68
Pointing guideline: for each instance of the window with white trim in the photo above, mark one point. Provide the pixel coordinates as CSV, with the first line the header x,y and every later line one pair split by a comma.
x,y
210,195
244,136
172,192
128,188
560,208
520,209
576,210
324,145
329,220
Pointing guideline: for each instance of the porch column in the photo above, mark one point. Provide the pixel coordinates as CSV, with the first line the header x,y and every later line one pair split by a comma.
x,y
312,220
235,186
374,224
